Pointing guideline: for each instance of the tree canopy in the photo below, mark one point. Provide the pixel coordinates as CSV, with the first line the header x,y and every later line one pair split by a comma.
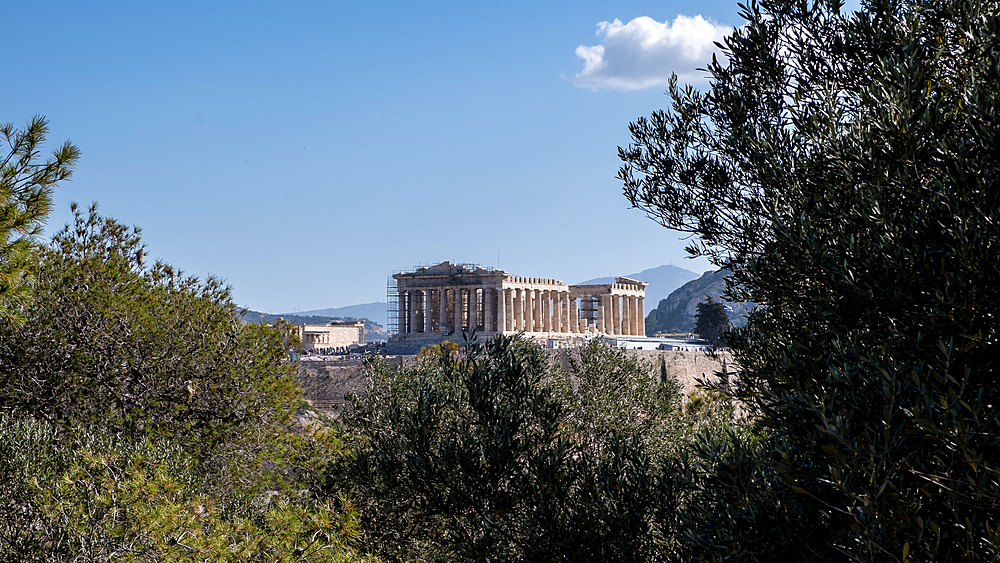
x,y
712,321
844,166
141,419
490,457
142,348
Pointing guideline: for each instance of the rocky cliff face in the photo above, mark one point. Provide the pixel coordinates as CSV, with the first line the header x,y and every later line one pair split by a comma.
x,y
677,312
662,280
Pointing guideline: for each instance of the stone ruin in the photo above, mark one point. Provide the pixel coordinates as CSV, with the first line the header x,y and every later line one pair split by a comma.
x,y
438,303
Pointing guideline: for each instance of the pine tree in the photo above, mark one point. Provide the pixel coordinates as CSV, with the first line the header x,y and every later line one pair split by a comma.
x,y
712,321
25,201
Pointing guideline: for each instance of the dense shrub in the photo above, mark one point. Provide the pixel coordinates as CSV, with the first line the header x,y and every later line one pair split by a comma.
x,y
141,420
487,459
608,394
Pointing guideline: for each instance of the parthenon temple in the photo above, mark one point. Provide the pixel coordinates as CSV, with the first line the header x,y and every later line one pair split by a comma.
x,y
438,302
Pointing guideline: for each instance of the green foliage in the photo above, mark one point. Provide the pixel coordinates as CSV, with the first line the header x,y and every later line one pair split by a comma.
x,y
712,321
844,167
25,201
609,394
480,460
79,494
144,350
143,421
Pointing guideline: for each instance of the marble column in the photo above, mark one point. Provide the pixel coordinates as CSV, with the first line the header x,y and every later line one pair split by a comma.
x,y
471,318
626,315
642,318
609,315
546,312
606,299
538,310
529,310
511,296
574,317
633,325
401,320
601,314
418,300
489,298
508,299
428,312
565,306
633,306
458,310
620,315
559,312
410,312
443,306
550,310
616,304
518,309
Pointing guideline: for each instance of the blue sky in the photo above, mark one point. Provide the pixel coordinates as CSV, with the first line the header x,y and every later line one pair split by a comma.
x,y
303,151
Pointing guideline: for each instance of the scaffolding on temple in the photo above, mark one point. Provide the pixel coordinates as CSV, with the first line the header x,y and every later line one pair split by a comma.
x,y
588,310
392,306
392,294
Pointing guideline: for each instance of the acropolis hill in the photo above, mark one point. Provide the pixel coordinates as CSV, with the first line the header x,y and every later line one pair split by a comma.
x,y
438,303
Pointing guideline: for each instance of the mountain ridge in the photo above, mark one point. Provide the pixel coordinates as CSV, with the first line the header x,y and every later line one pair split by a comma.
x,y
376,312
374,332
676,313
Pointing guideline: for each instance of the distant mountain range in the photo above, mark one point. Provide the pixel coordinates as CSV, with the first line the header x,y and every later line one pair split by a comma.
x,y
374,332
375,312
662,280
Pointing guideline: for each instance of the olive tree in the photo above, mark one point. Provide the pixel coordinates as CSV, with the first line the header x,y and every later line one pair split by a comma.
x,y
482,458
844,166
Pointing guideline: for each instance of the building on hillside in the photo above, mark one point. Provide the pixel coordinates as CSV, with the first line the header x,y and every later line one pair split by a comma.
x,y
436,303
336,334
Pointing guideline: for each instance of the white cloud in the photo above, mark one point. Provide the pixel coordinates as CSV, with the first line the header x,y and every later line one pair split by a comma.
x,y
643,52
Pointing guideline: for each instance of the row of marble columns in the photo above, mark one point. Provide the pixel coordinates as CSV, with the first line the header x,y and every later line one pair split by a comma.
x,y
471,307
540,310
518,309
